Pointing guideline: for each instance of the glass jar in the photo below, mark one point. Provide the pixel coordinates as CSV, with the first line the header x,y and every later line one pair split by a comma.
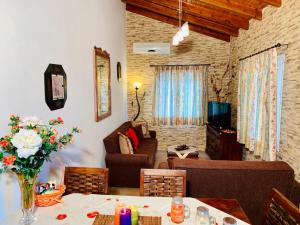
x,y
202,216
177,210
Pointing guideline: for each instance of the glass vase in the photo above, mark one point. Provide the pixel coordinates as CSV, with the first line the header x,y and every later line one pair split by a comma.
x,y
27,188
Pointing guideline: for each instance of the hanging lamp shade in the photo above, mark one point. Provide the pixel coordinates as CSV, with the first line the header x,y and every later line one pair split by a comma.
x,y
185,29
175,40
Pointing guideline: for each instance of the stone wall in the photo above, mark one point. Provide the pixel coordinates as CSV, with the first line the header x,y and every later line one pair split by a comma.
x,y
278,25
196,48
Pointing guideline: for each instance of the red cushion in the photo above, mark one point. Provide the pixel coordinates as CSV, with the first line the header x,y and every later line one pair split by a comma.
x,y
133,137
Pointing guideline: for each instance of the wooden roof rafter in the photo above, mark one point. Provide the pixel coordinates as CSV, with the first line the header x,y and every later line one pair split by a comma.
x,y
171,21
204,12
172,13
216,18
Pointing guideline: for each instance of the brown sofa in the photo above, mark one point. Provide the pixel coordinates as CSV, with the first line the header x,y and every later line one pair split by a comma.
x,y
124,169
250,182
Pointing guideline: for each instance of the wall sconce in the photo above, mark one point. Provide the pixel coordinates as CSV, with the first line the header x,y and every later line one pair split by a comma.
x,y
136,86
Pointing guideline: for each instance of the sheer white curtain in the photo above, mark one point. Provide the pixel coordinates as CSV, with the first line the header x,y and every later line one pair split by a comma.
x,y
257,104
180,95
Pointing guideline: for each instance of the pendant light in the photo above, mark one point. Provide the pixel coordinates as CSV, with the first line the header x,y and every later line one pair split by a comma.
x,y
183,30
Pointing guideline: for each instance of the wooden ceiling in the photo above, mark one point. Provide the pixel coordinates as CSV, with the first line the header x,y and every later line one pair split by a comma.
x,y
215,18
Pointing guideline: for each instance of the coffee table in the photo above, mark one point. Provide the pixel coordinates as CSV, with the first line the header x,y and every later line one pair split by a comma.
x,y
192,152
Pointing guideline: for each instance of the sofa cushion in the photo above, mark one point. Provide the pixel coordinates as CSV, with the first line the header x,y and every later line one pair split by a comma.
x,y
139,132
125,144
133,137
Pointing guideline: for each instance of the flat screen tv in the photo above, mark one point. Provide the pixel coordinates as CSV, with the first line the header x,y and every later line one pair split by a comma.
x,y
219,114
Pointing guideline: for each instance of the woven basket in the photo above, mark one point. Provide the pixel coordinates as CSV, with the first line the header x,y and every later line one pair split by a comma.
x,y
50,199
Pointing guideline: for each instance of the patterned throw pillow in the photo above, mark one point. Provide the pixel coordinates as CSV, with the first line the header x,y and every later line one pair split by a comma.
x,y
125,144
144,125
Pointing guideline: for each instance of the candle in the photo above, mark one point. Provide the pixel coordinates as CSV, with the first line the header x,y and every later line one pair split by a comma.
x,y
134,215
125,216
117,213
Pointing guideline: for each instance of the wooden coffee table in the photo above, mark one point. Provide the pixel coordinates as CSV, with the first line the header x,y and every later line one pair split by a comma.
x,y
230,206
192,152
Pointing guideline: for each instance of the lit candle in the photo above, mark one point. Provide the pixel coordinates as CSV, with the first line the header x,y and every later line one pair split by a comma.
x,y
134,215
125,216
117,213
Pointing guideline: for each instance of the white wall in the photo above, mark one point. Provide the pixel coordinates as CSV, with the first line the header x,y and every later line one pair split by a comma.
x,y
34,33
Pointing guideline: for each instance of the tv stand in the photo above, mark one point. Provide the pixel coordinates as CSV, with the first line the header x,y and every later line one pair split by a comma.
x,y
221,144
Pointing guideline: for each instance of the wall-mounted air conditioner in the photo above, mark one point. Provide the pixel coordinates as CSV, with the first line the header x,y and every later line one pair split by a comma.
x,y
151,48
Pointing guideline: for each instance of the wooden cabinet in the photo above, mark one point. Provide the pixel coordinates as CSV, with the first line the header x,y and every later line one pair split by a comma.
x,y
222,145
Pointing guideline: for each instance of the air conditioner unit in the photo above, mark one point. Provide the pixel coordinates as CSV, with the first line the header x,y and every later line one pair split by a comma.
x,y
151,48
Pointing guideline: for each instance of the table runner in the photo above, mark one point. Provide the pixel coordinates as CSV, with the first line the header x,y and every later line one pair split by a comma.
x,y
183,153
77,206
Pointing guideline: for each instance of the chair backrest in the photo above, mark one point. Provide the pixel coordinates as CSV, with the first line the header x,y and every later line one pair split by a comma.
x,y
279,210
160,182
86,180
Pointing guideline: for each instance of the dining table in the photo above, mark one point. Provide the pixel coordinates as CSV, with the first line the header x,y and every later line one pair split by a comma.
x,y
81,209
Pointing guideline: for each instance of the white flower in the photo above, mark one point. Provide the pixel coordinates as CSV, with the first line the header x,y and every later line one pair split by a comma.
x,y
27,142
31,121
26,152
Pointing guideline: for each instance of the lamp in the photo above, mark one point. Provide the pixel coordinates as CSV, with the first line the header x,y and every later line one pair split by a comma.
x,y
136,86
183,30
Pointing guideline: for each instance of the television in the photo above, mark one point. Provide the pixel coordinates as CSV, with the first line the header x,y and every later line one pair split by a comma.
x,y
219,114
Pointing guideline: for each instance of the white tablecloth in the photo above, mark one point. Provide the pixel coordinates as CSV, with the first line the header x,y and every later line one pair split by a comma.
x,y
77,206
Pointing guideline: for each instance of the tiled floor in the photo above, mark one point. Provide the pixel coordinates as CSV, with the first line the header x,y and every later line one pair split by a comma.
x,y
161,156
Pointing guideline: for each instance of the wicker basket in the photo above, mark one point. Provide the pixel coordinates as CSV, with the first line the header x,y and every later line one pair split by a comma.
x,y
50,199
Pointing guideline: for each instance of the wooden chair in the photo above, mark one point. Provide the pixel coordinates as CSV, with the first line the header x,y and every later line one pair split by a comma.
x,y
86,180
162,182
279,210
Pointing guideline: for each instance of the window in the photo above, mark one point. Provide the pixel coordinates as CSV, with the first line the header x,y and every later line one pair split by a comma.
x,y
280,73
180,95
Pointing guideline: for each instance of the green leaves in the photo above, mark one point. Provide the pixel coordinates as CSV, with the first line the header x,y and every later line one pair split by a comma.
x,y
50,143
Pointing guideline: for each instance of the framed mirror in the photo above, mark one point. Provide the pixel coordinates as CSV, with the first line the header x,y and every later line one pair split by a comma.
x,y
102,84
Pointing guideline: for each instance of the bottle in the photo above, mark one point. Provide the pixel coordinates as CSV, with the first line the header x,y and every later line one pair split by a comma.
x,y
177,210
202,216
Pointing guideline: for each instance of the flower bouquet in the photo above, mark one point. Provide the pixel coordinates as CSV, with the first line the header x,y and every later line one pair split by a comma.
x,y
24,152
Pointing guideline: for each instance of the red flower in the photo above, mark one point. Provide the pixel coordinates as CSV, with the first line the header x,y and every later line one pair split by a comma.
x,y
8,160
52,139
4,143
60,120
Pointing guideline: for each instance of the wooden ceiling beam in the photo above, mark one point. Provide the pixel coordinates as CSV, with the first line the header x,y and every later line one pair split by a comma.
x,y
207,13
185,17
276,3
234,7
172,21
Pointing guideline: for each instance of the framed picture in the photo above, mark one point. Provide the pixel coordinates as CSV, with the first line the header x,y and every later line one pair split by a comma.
x,y
55,86
119,71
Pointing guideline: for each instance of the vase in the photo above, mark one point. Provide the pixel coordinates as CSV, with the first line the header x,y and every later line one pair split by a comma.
x,y
27,188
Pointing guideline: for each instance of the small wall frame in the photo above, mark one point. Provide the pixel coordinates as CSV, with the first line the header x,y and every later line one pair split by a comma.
x,y
55,80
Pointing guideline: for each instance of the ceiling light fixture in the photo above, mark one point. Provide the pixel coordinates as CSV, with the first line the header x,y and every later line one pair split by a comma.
x,y
183,31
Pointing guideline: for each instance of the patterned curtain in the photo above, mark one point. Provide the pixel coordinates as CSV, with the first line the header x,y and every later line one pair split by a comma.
x,y
257,104
180,95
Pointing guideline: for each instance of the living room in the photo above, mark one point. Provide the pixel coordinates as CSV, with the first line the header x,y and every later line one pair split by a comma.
x,y
42,35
